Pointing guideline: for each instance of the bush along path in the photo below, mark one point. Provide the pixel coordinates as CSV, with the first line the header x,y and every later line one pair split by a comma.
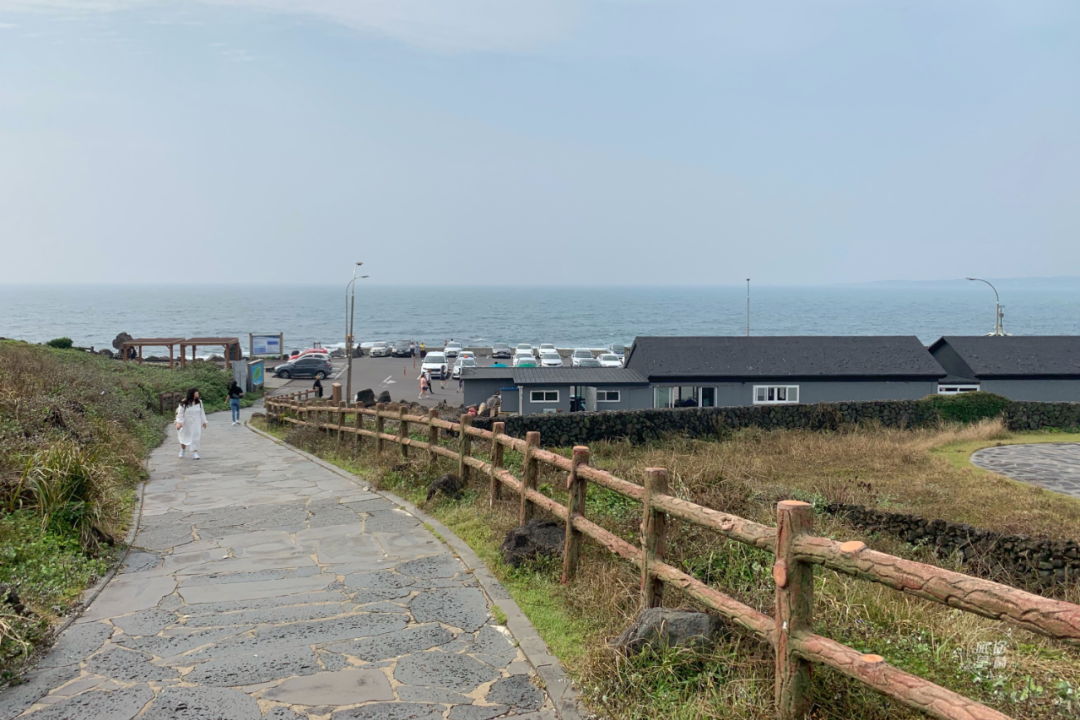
x,y
263,585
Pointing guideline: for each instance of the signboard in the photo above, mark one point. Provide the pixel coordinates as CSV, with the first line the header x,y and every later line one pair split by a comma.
x,y
265,345
256,373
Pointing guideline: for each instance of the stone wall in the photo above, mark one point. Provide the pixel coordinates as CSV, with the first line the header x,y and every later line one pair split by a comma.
x,y
1038,561
565,429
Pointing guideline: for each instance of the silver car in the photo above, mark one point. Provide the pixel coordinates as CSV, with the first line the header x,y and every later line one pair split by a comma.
x,y
610,360
380,349
579,355
550,359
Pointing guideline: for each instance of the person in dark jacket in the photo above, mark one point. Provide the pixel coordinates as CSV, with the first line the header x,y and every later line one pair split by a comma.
x,y
317,387
235,393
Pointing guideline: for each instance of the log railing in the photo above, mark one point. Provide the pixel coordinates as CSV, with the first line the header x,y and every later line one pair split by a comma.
x,y
792,541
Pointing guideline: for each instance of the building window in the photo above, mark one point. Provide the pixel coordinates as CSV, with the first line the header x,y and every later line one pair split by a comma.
x,y
662,397
956,389
543,396
607,396
776,394
708,397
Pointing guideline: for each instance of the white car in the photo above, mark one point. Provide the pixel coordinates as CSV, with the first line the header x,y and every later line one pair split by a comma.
x,y
461,364
524,356
548,348
381,349
466,354
436,364
579,355
610,360
452,349
550,359
523,348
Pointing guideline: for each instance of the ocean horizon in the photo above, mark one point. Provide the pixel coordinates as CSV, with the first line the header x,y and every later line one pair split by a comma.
x,y
570,316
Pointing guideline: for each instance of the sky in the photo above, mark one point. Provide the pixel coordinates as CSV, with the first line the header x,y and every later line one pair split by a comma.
x,y
575,142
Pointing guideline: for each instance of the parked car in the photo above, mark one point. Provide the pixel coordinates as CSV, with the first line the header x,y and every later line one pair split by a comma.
x,y
524,347
310,351
436,364
521,356
579,355
548,348
317,366
381,349
452,349
617,349
467,354
610,360
550,359
402,349
589,363
501,350
461,364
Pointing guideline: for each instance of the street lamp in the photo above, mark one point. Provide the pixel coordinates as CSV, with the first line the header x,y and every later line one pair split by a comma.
x,y
998,313
350,314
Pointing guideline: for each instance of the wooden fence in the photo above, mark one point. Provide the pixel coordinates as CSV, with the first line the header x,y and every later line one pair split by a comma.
x,y
792,541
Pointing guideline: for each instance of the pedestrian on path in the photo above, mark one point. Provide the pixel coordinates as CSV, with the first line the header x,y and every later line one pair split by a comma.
x,y
461,383
442,377
430,382
190,421
423,385
317,387
235,393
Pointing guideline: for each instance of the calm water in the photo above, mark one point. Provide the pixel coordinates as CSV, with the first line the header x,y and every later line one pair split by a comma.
x,y
567,316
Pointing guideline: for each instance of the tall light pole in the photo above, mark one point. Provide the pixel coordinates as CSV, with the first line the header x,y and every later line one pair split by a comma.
x,y
747,307
350,313
998,313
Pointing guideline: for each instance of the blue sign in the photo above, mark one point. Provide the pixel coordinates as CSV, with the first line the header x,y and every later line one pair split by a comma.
x,y
265,345
256,370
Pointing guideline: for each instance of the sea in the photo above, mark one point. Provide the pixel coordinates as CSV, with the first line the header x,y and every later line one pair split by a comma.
x,y
569,316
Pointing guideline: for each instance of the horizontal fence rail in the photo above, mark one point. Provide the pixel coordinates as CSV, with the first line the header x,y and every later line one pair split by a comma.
x,y
792,541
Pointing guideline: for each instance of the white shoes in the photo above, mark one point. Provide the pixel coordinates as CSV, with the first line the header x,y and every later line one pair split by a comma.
x,y
196,456
181,453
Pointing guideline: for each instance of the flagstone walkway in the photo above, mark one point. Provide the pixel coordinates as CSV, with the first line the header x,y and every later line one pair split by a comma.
x,y
263,585
1054,466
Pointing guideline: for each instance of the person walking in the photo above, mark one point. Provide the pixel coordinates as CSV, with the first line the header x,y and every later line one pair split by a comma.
x,y
317,387
235,393
190,421
442,377
423,385
430,382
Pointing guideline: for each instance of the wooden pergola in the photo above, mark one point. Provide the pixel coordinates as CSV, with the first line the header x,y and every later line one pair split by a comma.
x,y
193,343
151,342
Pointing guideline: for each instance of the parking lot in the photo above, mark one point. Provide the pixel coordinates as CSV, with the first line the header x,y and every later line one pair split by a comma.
x,y
399,376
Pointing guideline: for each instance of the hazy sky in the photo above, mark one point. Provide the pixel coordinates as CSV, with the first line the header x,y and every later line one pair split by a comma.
x,y
538,141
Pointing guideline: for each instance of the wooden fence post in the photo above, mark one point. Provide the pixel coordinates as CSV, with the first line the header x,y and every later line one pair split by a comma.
x,y
653,538
359,422
379,424
497,448
529,476
432,436
794,609
403,432
340,420
576,488
335,393
465,448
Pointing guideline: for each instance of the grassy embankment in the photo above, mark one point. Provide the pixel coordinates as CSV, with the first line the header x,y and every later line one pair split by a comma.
x,y
746,474
75,430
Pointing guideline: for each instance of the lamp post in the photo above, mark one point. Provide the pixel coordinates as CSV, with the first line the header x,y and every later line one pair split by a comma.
x,y
998,313
747,307
350,314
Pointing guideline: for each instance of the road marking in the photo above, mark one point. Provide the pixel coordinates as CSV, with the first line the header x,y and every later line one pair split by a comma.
x,y
389,380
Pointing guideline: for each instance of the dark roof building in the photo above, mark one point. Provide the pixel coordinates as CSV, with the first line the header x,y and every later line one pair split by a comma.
x,y
1043,368
749,358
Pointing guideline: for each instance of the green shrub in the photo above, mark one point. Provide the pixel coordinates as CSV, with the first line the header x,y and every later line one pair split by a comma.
x,y
63,343
968,407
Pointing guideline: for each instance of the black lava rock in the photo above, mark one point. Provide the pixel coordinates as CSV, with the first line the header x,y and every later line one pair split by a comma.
x,y
660,627
539,538
448,485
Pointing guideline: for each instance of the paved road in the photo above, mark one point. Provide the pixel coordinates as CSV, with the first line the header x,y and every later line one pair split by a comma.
x,y
263,585
1054,466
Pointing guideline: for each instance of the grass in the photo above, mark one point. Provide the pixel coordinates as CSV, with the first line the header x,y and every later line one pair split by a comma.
x,y
958,453
75,430
746,474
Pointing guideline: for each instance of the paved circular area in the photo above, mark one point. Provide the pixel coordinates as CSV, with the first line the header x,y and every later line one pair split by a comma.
x,y
1054,466
263,585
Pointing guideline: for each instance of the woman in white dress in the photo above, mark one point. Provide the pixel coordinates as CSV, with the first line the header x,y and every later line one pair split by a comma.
x,y
190,421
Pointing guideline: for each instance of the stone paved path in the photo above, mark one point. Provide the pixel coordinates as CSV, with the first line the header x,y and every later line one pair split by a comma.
x,y
1054,466
263,585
